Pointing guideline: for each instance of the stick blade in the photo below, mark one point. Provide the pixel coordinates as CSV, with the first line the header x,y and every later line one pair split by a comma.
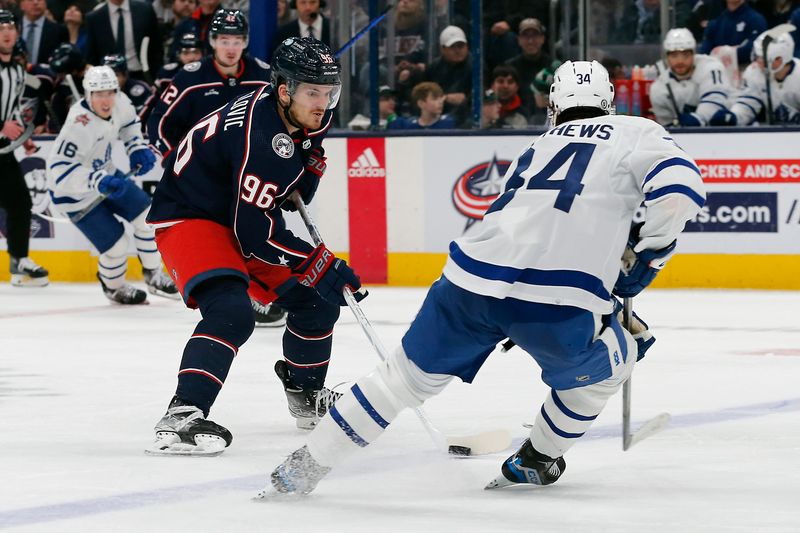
x,y
484,443
649,428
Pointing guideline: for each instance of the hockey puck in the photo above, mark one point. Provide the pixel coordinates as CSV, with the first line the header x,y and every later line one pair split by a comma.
x,y
459,450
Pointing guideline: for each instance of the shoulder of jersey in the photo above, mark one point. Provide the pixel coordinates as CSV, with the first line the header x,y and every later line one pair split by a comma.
x,y
706,63
194,66
138,89
169,67
261,63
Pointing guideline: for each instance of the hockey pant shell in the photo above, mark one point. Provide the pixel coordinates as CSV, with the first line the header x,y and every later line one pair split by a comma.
x,y
106,233
363,413
196,250
226,325
16,200
308,337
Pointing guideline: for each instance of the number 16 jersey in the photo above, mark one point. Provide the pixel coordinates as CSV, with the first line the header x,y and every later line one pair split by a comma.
x,y
557,232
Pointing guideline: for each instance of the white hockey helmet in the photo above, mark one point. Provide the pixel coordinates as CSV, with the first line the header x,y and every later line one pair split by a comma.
x,y
100,78
781,48
580,84
679,39
758,47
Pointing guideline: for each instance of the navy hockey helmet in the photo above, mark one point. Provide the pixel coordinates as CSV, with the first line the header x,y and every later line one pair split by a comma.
x,y
66,59
306,60
7,17
228,22
189,41
117,62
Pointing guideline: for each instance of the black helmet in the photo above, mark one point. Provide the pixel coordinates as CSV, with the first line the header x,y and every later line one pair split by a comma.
x,y
117,62
228,22
305,60
188,41
7,17
66,59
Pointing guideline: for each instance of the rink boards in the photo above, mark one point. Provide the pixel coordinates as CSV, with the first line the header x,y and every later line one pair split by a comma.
x,y
393,204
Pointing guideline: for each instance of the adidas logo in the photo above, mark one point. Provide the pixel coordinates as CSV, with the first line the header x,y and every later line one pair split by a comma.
x,y
366,166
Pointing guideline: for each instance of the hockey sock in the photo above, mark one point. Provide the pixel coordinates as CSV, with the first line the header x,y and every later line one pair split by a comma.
x,y
144,237
113,264
227,323
307,342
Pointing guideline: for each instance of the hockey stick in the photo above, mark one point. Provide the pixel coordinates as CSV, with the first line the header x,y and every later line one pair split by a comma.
x,y
652,426
77,217
145,61
363,30
483,443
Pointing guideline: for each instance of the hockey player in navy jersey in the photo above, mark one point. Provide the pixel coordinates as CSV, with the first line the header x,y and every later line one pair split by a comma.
x,y
540,269
189,51
80,173
221,230
137,91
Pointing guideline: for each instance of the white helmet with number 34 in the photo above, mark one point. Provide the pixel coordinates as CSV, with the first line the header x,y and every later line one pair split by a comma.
x,y
580,84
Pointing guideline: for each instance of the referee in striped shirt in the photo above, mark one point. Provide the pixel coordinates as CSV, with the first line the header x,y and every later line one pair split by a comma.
x,y
14,195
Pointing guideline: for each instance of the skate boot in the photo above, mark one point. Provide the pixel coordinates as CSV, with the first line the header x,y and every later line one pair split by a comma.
x,y
26,273
125,295
160,284
183,430
269,315
307,406
529,466
298,473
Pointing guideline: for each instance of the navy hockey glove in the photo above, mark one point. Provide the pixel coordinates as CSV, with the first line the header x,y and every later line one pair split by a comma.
x,y
113,185
144,159
309,179
329,275
723,117
689,119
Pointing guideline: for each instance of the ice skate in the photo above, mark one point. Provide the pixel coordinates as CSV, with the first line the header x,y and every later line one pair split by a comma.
x,y
269,315
529,466
183,430
299,473
160,284
307,406
125,295
26,273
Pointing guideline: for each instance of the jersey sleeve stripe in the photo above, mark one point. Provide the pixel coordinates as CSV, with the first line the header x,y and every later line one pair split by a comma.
x,y
713,103
59,163
529,276
757,99
675,161
67,173
748,106
709,93
675,189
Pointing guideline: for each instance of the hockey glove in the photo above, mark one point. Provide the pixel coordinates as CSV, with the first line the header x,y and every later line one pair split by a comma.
x,y
329,275
113,185
309,179
642,269
689,119
144,159
638,328
723,117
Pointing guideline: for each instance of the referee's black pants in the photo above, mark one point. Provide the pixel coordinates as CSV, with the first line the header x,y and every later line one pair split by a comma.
x,y
16,200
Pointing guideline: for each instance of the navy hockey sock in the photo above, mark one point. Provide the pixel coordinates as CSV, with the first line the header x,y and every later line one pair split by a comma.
x,y
227,323
307,355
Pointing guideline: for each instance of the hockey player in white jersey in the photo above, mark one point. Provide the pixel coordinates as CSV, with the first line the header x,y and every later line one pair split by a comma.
x,y
783,90
84,185
690,87
540,269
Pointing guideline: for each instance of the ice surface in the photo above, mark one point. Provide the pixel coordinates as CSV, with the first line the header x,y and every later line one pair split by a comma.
x,y
83,382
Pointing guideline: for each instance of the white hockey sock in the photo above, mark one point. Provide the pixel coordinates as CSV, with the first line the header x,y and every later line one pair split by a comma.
x,y
363,413
113,264
567,414
145,239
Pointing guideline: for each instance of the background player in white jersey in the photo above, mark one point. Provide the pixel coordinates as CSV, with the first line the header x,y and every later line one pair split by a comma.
x,y
80,172
690,87
783,90
539,269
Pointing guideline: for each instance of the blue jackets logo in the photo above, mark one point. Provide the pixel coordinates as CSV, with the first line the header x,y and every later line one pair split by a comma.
x,y
737,212
479,186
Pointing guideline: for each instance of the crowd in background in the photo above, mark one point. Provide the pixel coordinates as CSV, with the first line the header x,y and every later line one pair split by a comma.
x,y
429,84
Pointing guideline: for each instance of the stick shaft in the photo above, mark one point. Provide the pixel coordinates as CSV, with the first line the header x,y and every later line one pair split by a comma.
x,y
363,31
627,310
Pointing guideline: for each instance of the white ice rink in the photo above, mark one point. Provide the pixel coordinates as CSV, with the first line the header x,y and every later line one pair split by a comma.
x,y
82,383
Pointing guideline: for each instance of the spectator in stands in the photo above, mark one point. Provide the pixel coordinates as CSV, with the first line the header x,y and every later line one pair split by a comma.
x,y
500,16
284,13
197,23
640,22
429,98
138,92
172,12
41,36
703,11
505,84
776,11
57,8
490,112
387,106
531,61
73,20
309,23
452,70
118,27
738,25
410,50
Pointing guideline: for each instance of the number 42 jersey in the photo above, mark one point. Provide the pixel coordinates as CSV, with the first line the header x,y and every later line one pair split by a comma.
x,y
557,232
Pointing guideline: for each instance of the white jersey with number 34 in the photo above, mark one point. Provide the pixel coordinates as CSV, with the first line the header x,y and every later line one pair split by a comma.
x,y
557,232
